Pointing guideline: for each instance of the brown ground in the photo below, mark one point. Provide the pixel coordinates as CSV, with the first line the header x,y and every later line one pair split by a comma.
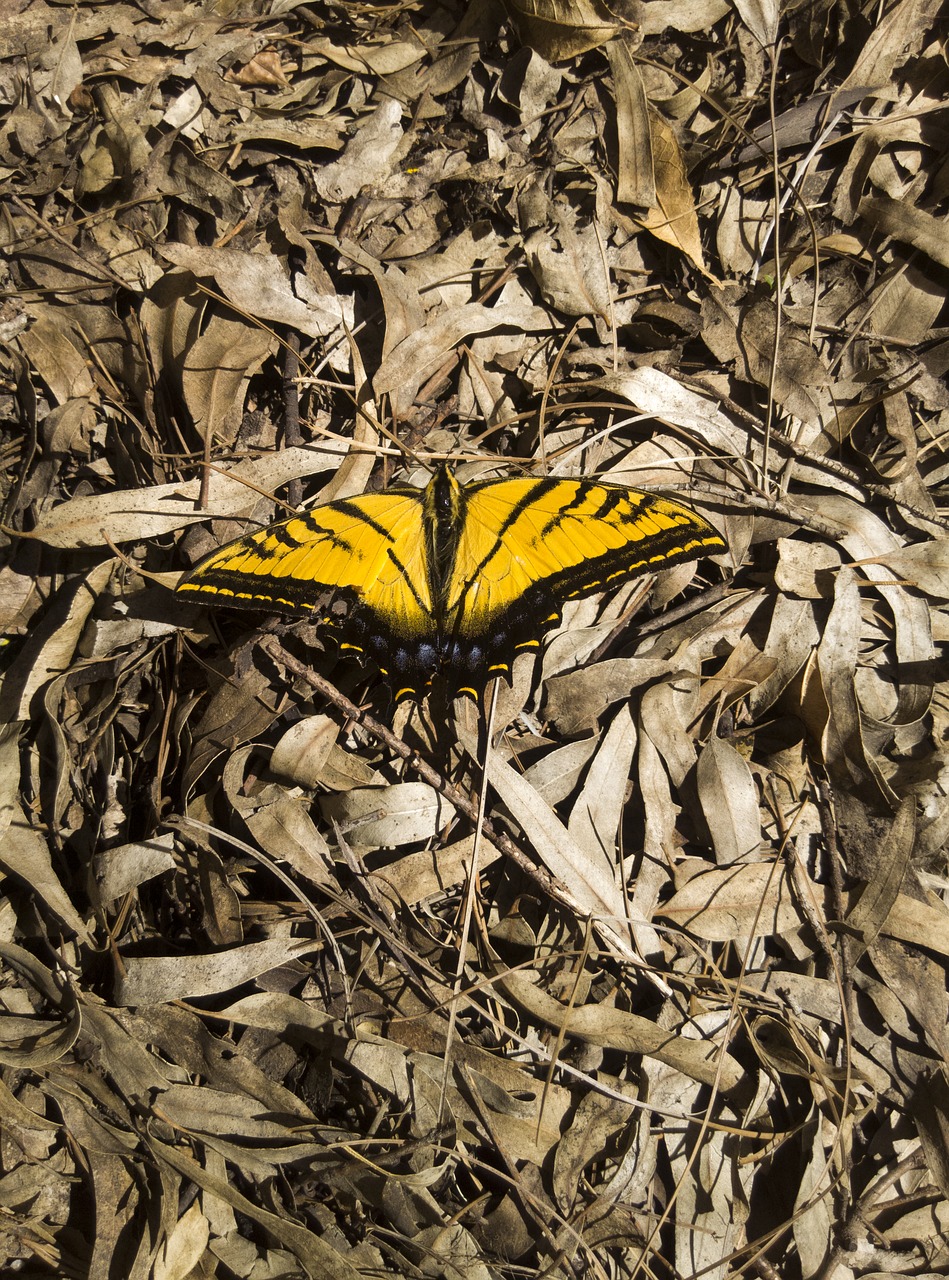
x,y
692,1021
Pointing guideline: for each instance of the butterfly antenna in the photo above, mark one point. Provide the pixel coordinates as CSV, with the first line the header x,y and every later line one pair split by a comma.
x,y
471,894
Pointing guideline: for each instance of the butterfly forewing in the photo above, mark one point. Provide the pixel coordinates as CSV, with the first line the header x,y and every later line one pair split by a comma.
x,y
371,547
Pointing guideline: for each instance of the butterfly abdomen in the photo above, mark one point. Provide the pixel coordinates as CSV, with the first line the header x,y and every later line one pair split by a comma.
x,y
444,500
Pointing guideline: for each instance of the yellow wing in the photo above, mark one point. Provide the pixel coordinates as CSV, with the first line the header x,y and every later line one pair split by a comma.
x,y
372,548
528,546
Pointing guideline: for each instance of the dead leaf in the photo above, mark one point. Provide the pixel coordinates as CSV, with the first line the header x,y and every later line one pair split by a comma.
x,y
157,979
265,68
146,513
635,179
388,817
673,218
729,802
734,904
561,29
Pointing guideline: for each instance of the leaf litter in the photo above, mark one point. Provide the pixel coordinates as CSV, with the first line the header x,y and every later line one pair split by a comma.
x,y
698,1024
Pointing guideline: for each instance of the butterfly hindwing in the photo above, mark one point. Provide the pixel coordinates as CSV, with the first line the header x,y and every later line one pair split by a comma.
x,y
370,548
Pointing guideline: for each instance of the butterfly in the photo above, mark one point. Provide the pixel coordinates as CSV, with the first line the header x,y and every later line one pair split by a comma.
x,y
453,579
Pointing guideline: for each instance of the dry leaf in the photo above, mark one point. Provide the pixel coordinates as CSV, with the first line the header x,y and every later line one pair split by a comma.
x,y
265,68
673,218
735,903
561,29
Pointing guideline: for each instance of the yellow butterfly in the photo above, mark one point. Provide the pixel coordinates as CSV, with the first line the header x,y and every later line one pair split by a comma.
x,y
454,579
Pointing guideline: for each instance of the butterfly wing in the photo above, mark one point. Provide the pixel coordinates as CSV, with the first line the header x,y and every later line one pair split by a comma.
x,y
527,546
371,548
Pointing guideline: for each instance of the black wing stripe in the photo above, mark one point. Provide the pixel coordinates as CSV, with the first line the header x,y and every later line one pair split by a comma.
x,y
353,509
407,579
247,591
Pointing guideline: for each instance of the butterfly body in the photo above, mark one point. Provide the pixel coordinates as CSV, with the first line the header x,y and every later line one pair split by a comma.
x,y
454,578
